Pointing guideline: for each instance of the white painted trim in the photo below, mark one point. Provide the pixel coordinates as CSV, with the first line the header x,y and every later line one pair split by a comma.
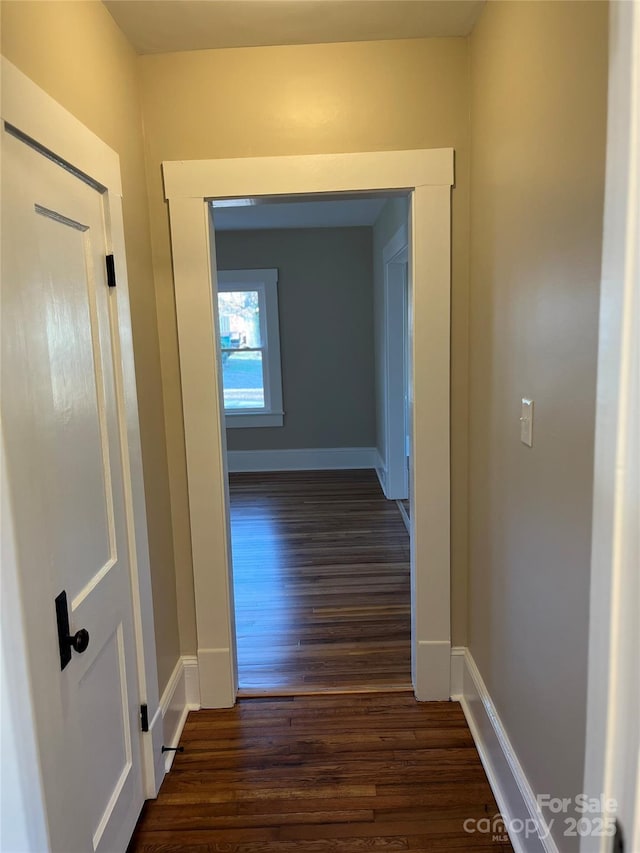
x,y
180,696
612,766
432,669
227,279
308,173
265,281
156,738
34,113
394,261
135,502
430,485
307,459
217,677
405,515
191,681
240,420
381,471
457,671
205,441
511,788
428,174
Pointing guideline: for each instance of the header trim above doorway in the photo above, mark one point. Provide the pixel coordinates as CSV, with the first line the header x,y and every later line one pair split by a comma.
x,y
306,174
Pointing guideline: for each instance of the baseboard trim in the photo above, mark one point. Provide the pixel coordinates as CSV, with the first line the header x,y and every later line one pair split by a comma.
x,y
156,736
458,654
381,471
181,695
309,459
514,795
405,516
191,681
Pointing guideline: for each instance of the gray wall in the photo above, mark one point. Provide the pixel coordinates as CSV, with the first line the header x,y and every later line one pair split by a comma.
x,y
538,124
325,298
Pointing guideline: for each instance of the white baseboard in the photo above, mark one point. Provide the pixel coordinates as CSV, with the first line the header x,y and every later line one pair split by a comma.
x,y
191,681
405,515
381,471
181,695
458,654
514,795
310,459
156,738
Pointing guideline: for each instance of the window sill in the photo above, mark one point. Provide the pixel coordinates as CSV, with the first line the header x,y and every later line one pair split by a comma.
x,y
259,419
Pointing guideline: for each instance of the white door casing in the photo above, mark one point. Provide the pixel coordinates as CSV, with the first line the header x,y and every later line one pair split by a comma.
x,y
612,759
396,381
428,175
75,495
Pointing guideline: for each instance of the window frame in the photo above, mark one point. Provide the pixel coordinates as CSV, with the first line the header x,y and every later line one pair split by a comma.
x,y
265,282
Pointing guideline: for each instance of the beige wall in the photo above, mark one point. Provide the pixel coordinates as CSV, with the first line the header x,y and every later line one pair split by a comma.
x,y
76,53
538,80
297,100
539,75
325,303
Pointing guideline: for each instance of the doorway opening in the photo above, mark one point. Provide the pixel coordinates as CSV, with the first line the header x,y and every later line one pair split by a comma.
x,y
426,174
310,364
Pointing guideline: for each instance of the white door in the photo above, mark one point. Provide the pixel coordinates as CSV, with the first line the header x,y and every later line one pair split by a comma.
x,y
65,470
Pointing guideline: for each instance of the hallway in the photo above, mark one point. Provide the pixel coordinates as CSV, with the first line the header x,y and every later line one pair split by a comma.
x,y
321,583
323,773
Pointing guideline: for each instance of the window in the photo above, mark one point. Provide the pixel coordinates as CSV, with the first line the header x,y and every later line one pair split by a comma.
x,y
250,347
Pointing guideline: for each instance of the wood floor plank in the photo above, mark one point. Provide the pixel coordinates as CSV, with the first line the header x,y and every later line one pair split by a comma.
x,y
321,583
344,774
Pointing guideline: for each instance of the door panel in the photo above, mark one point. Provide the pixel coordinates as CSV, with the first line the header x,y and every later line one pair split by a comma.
x,y
104,723
61,417
76,434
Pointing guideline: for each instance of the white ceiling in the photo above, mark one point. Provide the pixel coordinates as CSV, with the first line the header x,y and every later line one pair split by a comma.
x,y
332,213
163,26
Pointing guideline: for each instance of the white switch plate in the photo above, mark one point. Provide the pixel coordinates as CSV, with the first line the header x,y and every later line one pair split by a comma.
x,y
526,422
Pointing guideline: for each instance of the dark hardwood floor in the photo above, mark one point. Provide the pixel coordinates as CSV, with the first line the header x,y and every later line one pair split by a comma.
x,y
321,566
313,774
321,583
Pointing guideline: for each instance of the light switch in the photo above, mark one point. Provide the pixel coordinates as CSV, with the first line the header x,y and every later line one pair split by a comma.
x,y
526,422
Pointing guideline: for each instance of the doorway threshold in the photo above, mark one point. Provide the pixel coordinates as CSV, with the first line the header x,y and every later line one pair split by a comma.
x,y
257,692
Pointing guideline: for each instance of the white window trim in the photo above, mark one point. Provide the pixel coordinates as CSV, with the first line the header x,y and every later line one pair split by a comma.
x,y
265,281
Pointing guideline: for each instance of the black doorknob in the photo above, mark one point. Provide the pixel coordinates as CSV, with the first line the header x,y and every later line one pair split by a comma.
x,y
79,641
66,641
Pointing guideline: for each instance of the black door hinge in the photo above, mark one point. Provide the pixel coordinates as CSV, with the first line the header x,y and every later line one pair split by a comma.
x,y
144,718
111,270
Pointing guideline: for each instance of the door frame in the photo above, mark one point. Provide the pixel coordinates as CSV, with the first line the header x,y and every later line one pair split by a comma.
x,y
395,476
34,113
428,175
613,709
